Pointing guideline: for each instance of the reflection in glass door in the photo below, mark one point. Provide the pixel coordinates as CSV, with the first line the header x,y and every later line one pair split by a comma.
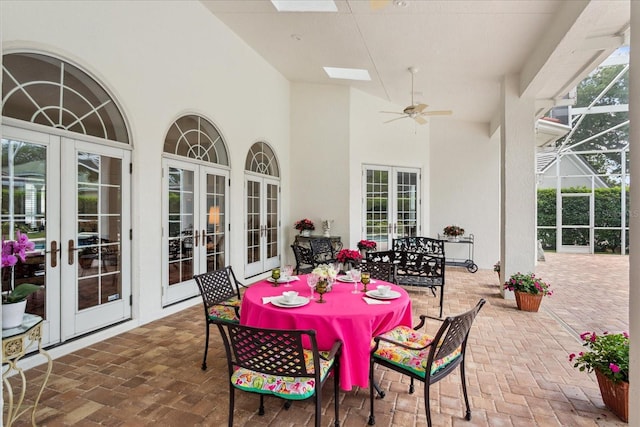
x,y
391,204
196,209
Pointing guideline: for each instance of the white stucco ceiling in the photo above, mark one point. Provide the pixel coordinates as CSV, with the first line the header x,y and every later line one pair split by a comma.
x,y
462,48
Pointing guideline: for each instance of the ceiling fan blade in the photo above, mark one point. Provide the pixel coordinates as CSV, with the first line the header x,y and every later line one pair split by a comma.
x,y
378,4
391,112
437,113
420,120
397,118
420,108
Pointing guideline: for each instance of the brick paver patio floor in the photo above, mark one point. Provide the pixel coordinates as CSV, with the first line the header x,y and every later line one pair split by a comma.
x,y
517,367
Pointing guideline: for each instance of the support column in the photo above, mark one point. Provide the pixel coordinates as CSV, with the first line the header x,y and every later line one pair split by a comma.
x,y
517,181
634,216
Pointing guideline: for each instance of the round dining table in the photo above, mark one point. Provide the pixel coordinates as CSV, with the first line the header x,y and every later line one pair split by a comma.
x,y
344,315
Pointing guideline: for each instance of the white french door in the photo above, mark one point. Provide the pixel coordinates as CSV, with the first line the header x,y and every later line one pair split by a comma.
x,y
71,198
262,224
391,205
195,207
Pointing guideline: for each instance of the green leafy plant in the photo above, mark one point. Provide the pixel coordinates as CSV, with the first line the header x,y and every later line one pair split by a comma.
x,y
608,353
528,283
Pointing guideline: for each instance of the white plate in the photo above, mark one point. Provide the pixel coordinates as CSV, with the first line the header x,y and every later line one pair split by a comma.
x,y
345,279
390,295
297,302
281,280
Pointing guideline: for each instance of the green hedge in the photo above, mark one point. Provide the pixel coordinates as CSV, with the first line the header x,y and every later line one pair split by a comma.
x,y
607,213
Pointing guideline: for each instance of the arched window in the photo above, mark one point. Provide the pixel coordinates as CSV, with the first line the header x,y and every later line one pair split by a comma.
x,y
45,90
262,160
195,137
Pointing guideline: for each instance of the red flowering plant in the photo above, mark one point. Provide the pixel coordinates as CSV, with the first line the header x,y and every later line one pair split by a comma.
x,y
453,230
304,224
528,283
608,353
367,244
348,255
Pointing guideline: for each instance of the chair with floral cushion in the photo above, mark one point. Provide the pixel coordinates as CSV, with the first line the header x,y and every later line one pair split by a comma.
x,y
220,291
423,357
275,362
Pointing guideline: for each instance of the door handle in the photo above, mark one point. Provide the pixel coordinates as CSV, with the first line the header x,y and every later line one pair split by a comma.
x,y
203,238
54,254
195,240
72,254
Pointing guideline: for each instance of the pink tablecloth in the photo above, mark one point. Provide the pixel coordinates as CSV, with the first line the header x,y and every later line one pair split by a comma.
x,y
344,316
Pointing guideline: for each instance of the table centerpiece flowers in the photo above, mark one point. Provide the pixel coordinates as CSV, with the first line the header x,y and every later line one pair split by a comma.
x,y
528,290
453,232
14,300
325,273
305,226
608,356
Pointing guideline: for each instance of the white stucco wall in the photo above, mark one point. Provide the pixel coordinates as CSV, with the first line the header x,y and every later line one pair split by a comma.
x,y
465,190
161,60
319,153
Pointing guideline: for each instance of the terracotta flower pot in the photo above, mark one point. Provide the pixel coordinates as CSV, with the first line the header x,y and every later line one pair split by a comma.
x,y
614,395
528,302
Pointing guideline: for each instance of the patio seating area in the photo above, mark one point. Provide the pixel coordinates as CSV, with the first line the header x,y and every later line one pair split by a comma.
x,y
517,366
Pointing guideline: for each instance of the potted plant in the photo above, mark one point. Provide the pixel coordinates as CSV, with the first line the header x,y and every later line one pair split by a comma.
x,y
14,300
305,226
528,290
366,246
453,232
348,257
496,268
608,356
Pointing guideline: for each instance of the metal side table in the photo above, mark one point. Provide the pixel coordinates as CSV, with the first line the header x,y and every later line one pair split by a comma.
x,y
16,342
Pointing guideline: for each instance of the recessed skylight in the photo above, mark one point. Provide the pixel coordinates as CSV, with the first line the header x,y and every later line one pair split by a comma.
x,y
347,73
305,5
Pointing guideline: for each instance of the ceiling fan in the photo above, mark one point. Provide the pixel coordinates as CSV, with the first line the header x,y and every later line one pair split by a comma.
x,y
416,111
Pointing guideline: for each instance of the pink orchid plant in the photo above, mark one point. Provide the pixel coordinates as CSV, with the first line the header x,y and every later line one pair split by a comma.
x,y
14,251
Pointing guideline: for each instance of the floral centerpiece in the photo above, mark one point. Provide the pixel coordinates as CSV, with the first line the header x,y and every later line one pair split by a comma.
x,y
368,245
325,271
528,290
14,300
305,226
608,356
453,231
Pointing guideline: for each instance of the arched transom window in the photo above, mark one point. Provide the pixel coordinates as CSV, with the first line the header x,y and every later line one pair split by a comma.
x,y
195,137
261,159
45,90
